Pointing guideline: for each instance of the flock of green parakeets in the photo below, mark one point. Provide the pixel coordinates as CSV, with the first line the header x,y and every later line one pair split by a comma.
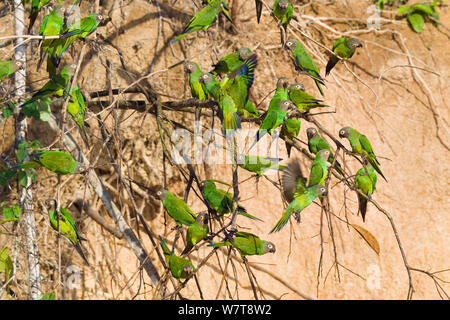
x,y
236,72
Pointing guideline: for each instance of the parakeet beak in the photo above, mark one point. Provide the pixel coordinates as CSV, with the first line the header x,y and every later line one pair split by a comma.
x,y
325,194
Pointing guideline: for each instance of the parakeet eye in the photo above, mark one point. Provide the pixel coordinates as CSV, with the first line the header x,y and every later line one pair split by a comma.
x,y
159,193
100,17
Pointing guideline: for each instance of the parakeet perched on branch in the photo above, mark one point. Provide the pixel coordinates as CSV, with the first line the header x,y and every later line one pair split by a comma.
x,y
180,268
304,63
316,143
56,161
176,208
67,226
361,145
302,100
196,231
203,18
8,67
344,48
366,182
231,61
247,244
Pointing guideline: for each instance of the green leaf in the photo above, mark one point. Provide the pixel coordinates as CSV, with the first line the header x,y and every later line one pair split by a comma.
x,y
48,296
22,151
8,109
12,212
23,178
416,22
424,8
403,9
6,264
6,175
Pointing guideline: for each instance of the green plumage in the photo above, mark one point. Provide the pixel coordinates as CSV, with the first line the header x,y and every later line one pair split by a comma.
x,y
8,67
221,201
196,232
177,208
260,164
54,160
203,18
319,170
231,61
36,6
303,62
51,25
296,193
361,145
344,48
289,131
248,244
276,113
79,29
302,100
316,143
67,228
57,86
366,182
180,268
283,10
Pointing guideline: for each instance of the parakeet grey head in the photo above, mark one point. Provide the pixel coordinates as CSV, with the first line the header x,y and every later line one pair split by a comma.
x,y
297,86
354,43
98,17
283,4
190,67
161,194
320,190
269,247
80,167
60,10
244,53
291,44
324,154
283,83
16,64
51,204
202,218
311,132
344,132
206,78
187,270
286,105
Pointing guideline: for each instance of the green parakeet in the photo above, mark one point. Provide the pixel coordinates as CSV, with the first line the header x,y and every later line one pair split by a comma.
x,y
203,18
319,170
344,48
304,63
231,61
51,25
56,86
366,182
180,268
36,6
196,232
76,108
283,10
176,208
198,90
296,193
67,226
302,100
274,118
289,131
258,5
259,164
248,244
361,145
210,85
8,67
79,29
316,143
56,161
221,201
